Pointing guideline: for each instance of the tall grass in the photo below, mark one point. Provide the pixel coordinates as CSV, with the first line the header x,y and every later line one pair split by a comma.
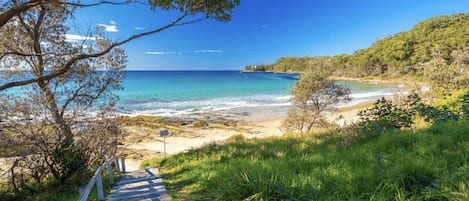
x,y
429,164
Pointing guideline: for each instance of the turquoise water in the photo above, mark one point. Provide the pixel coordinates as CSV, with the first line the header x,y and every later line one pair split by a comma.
x,y
183,92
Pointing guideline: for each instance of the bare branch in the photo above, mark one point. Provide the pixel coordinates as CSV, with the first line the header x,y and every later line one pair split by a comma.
x,y
190,22
100,3
72,61
10,13
17,53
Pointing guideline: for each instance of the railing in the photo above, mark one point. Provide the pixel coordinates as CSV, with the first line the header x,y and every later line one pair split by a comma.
x,y
96,179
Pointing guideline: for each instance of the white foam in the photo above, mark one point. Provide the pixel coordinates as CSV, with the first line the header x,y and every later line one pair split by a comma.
x,y
373,94
188,107
176,108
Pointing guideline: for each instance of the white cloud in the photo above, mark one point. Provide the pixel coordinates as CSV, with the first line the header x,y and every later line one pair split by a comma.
x,y
138,28
77,38
208,51
111,27
44,43
163,52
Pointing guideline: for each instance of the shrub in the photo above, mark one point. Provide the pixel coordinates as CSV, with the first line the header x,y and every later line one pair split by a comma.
x,y
385,115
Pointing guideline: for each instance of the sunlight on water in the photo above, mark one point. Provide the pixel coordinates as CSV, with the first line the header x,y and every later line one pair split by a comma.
x,y
185,92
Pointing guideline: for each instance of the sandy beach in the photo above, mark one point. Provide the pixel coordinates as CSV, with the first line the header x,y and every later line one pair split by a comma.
x,y
254,122
144,142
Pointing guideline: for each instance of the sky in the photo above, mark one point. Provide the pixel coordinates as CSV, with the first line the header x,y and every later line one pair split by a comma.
x,y
260,31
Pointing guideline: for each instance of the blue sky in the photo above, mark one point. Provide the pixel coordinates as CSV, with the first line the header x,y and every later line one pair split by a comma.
x,y
260,31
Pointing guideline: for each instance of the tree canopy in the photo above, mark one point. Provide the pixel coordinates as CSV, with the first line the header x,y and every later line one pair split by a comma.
x,y
219,10
394,56
314,95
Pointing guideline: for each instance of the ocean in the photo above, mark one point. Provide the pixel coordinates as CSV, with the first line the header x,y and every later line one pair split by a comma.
x,y
170,93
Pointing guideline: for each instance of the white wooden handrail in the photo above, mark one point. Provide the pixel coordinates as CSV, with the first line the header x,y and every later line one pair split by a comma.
x,y
96,179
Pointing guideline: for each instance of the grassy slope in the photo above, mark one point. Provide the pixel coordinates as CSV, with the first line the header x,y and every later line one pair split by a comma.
x,y
431,164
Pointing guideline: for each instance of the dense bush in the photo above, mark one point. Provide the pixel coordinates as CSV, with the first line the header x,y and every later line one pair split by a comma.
x,y
384,115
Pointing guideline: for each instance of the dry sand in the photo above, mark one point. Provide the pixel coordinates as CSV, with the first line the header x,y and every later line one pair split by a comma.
x,y
259,122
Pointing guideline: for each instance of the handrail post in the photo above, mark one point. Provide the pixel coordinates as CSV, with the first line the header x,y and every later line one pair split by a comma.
x,y
117,166
109,172
123,164
99,186
97,179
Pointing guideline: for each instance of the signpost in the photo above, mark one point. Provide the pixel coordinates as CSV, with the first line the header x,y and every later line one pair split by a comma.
x,y
164,133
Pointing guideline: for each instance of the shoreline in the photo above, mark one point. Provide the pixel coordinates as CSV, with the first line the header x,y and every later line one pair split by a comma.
x,y
260,122
186,133
372,80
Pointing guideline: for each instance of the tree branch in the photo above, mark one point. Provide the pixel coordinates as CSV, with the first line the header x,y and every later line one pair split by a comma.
x,y
10,13
100,3
72,61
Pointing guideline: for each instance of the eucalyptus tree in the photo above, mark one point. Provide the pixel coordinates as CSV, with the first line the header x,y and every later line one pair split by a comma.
x,y
314,95
56,95
445,76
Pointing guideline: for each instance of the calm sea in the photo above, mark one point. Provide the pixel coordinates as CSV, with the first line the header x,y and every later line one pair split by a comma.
x,y
184,92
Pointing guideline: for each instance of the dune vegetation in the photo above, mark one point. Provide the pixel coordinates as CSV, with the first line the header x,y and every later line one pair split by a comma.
x,y
427,164
338,164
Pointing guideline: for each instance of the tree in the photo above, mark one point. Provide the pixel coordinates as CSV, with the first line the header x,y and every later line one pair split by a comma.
x,y
313,96
219,10
446,75
56,96
400,54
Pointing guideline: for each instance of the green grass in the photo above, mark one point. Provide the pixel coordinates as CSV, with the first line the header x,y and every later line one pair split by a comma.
x,y
429,164
51,192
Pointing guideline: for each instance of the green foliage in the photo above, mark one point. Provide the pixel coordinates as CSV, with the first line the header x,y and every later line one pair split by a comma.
x,y
448,108
313,95
52,191
67,161
219,10
384,115
465,106
453,100
437,48
403,165
444,75
434,115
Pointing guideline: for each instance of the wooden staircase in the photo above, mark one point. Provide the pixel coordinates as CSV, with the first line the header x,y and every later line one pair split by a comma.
x,y
146,185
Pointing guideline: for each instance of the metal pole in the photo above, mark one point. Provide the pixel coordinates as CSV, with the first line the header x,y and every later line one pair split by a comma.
x,y
164,133
164,142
